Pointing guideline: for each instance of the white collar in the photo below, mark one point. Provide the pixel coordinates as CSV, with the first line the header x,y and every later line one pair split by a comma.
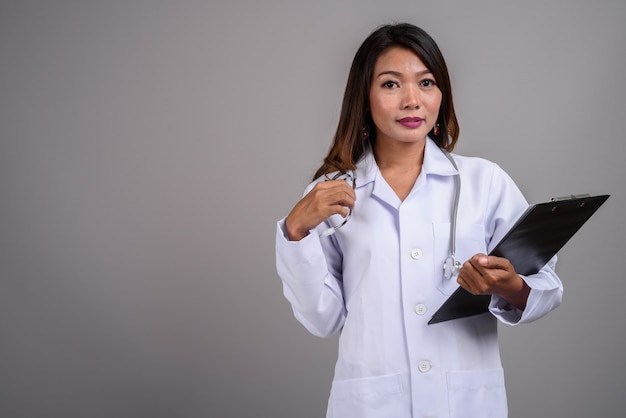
x,y
435,163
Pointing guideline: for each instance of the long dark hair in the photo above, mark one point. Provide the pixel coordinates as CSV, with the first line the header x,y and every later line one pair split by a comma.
x,y
349,145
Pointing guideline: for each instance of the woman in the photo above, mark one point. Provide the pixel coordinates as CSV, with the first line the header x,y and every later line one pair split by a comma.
x,y
362,252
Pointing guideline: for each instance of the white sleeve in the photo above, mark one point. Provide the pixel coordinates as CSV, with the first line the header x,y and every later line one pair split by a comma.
x,y
546,288
546,292
316,295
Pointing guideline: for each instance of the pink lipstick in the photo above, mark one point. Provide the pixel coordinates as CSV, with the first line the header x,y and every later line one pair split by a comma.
x,y
411,122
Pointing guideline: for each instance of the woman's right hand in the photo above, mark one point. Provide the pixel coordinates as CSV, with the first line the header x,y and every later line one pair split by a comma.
x,y
325,199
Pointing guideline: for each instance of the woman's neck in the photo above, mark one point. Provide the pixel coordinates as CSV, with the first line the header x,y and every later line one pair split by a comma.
x,y
398,155
400,164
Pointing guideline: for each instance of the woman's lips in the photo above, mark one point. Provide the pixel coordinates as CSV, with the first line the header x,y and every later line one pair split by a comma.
x,y
411,122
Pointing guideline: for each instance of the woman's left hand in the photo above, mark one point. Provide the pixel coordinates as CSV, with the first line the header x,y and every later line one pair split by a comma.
x,y
490,275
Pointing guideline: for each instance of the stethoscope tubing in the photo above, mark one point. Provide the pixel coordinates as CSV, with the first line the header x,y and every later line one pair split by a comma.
x,y
451,265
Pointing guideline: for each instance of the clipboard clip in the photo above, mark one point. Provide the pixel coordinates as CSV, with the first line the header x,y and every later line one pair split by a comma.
x,y
569,197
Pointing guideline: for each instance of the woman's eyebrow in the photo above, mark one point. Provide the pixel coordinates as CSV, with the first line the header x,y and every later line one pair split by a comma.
x,y
399,74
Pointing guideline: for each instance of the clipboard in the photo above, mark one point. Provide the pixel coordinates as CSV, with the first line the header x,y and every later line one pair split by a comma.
x,y
539,233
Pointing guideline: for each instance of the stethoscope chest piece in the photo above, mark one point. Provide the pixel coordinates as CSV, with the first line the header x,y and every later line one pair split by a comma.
x,y
451,267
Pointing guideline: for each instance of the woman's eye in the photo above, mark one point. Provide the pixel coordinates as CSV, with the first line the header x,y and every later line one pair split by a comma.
x,y
389,84
427,83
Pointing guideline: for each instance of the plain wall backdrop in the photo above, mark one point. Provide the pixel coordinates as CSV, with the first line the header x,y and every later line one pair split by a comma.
x,y
147,149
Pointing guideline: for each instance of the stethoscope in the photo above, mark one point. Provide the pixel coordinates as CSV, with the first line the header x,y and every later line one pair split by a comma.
x,y
451,265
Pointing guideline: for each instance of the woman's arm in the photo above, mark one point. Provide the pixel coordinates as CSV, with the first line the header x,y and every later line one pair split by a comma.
x,y
310,283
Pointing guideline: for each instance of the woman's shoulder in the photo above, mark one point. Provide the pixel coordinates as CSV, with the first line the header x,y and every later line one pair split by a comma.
x,y
476,163
474,160
482,168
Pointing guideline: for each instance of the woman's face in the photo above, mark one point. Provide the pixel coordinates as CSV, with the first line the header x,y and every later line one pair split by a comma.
x,y
404,97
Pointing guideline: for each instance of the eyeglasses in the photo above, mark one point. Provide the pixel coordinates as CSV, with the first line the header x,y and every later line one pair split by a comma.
x,y
350,178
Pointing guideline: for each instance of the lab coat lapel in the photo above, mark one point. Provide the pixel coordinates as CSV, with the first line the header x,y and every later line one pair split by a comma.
x,y
435,163
368,172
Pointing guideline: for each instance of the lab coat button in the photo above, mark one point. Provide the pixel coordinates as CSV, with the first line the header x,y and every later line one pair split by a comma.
x,y
420,309
424,366
416,254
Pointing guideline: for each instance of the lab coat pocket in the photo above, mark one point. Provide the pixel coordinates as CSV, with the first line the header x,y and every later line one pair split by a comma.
x,y
477,393
372,397
470,240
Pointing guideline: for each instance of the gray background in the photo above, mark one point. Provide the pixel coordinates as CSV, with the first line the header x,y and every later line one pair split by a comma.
x,y
148,147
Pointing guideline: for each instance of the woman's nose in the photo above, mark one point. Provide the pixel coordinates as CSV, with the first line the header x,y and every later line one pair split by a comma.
x,y
411,98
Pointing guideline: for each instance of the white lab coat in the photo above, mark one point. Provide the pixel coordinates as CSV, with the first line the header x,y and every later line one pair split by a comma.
x,y
379,279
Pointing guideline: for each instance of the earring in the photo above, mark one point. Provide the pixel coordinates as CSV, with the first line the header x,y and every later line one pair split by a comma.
x,y
365,132
436,129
